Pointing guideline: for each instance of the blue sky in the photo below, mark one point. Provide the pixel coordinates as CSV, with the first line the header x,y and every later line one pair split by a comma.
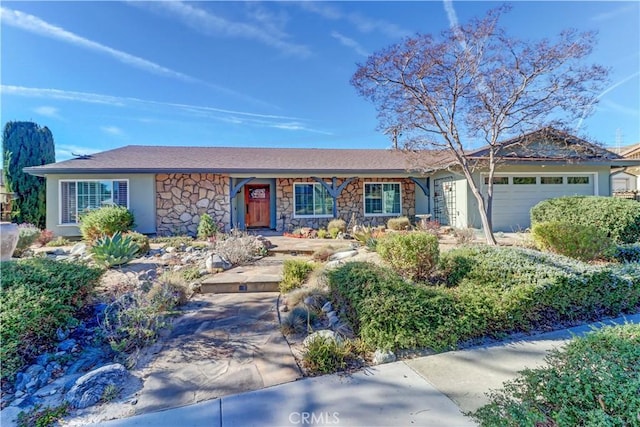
x,y
102,75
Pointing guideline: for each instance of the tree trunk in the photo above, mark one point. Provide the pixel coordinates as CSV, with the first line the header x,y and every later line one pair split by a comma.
x,y
484,216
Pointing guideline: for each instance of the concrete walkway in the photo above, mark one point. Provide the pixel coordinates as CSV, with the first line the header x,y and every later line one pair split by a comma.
x,y
428,391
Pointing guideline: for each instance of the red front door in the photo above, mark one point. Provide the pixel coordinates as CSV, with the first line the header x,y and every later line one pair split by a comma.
x,y
257,204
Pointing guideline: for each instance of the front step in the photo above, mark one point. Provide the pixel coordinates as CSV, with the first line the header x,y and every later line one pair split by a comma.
x,y
233,288
249,278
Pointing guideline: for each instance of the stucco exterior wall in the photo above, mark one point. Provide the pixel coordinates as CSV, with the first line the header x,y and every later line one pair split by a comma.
x,y
141,201
181,198
350,203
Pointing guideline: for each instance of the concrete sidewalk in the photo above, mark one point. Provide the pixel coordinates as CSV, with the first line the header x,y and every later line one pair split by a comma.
x,y
428,391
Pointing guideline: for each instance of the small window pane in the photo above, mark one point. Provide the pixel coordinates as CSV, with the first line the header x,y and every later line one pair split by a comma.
x,y
524,180
382,198
500,180
551,180
578,180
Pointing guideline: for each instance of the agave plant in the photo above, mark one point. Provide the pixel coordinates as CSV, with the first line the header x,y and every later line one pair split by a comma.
x,y
111,251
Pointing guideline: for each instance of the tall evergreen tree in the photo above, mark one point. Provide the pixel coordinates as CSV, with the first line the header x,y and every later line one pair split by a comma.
x,y
27,144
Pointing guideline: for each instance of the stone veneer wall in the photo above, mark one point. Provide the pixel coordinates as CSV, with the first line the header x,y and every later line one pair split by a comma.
x,y
350,203
182,197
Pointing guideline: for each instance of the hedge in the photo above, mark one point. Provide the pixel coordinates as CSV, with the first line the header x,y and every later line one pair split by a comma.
x,y
620,218
494,291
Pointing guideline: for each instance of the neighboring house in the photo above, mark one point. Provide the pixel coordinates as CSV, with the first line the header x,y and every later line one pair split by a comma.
x,y
627,179
169,188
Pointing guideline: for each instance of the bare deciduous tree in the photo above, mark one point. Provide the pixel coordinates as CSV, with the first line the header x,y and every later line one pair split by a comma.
x,y
475,83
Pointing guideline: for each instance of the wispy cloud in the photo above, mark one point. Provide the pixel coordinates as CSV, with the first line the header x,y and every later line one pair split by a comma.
x,y
603,93
211,24
362,23
605,16
619,108
36,25
194,111
295,126
47,111
350,43
112,130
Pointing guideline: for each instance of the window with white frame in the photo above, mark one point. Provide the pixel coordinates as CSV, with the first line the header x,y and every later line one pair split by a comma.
x,y
382,198
312,200
77,197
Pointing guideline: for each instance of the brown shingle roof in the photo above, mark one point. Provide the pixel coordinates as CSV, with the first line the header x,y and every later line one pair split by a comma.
x,y
154,159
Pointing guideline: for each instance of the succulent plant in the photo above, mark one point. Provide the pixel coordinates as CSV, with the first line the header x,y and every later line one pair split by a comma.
x,y
111,251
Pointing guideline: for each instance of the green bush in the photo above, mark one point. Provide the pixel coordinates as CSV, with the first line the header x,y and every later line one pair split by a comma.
x,y
105,221
627,253
206,227
593,381
38,296
499,291
413,255
322,233
389,313
336,226
141,240
620,218
324,355
111,251
59,241
294,273
583,242
399,224
27,236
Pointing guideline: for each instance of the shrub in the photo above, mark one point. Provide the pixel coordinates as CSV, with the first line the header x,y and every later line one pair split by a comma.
x,y
388,313
38,296
324,355
111,251
323,253
499,291
169,291
59,241
297,321
627,253
238,247
43,417
141,240
583,242
413,255
312,297
399,224
27,236
620,218
336,226
564,393
322,233
46,236
464,236
206,227
105,221
294,273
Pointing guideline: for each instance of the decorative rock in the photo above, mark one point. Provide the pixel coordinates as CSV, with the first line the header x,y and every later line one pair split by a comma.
x,y
216,262
327,307
170,249
342,255
8,240
326,334
89,388
383,356
79,249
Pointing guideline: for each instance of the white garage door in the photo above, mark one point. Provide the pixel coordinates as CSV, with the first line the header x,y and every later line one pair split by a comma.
x,y
515,195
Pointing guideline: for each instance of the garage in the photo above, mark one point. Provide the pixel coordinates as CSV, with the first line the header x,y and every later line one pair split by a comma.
x,y
515,194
